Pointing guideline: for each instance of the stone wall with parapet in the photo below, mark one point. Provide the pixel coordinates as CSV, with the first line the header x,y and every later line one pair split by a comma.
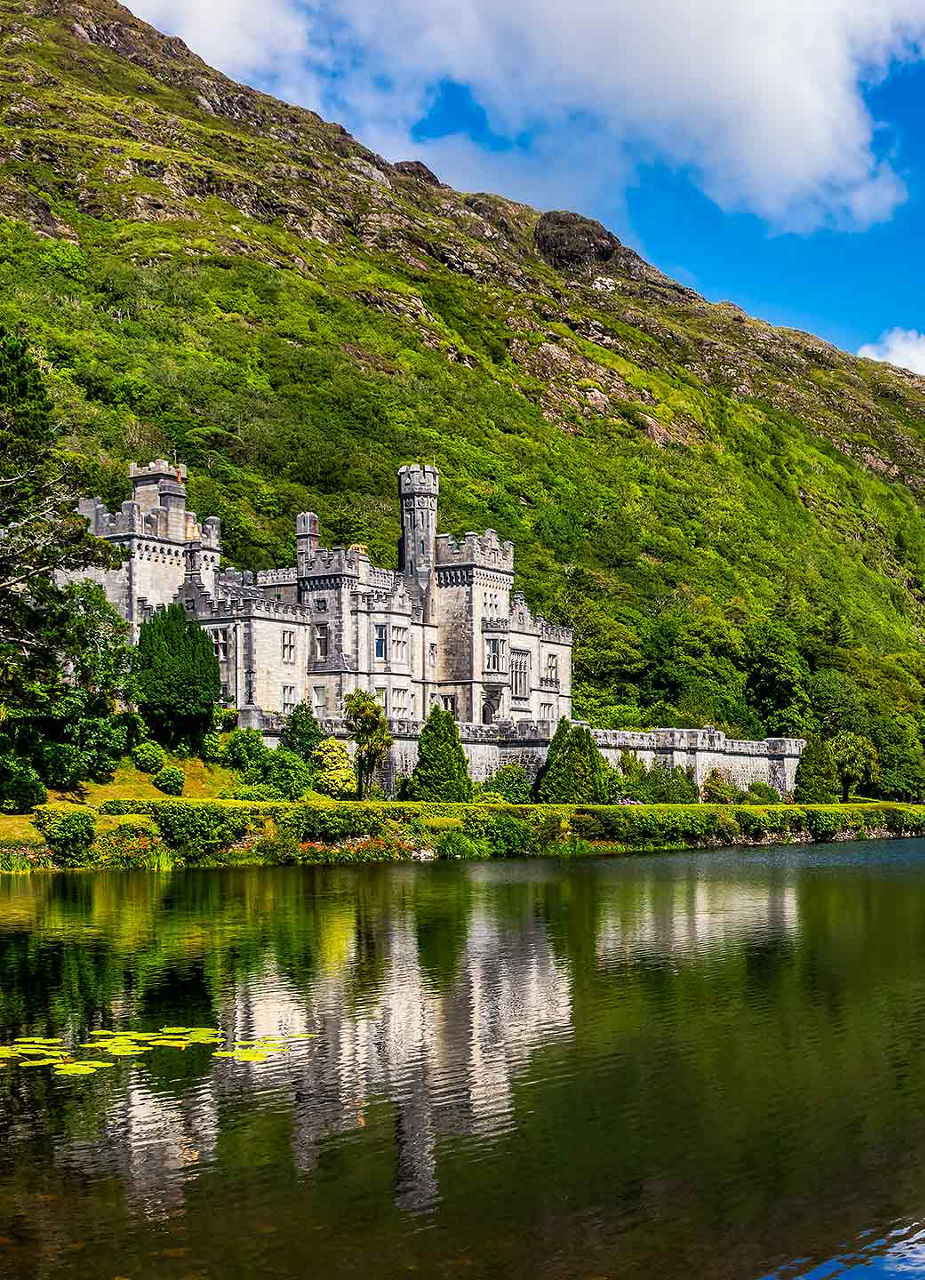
x,y
772,761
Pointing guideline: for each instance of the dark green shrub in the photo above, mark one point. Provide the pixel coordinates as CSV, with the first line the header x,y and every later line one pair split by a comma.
x,y
511,783
201,828
21,788
149,757
302,733
816,779
506,835
759,793
68,830
177,676
62,765
243,749
224,719
171,780
284,771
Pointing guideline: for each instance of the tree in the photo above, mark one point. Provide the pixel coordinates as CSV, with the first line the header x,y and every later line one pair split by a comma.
x,y
369,729
556,746
178,681
855,760
836,703
578,773
817,779
302,733
334,774
441,772
41,533
512,783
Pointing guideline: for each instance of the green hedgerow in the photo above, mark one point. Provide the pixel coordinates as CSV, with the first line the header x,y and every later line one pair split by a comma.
x,y
149,757
171,780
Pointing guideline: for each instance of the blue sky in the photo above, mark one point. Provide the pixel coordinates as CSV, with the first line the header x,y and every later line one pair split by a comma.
x,y
770,153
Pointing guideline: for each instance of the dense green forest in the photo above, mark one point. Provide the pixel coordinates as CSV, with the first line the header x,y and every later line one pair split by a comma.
x,y
727,514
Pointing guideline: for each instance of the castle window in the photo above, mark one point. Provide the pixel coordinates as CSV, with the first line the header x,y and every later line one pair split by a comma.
x,y
288,646
520,673
380,634
449,703
288,698
320,699
321,641
220,643
546,712
399,644
380,696
433,655
552,668
494,655
400,703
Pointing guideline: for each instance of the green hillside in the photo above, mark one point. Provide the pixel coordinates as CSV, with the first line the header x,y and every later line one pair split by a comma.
x,y
719,508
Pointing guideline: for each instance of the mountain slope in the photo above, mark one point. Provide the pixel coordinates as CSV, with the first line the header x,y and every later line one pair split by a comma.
x,y
204,269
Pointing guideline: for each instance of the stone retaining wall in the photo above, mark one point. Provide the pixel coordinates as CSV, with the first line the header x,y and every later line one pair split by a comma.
x,y
773,760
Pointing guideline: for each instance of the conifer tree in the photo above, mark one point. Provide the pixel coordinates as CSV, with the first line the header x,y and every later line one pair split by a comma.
x,y
441,772
816,780
178,677
577,773
559,739
302,733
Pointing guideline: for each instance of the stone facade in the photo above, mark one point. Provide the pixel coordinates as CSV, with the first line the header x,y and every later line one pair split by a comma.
x,y
445,626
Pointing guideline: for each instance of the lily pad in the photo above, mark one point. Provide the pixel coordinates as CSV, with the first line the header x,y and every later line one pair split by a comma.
x,y
74,1069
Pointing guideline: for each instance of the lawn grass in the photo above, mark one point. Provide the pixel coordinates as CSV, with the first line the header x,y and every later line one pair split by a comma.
x,y
17,828
203,782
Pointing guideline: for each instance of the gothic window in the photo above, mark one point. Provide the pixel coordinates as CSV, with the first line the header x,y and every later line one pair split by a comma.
x,y
288,698
433,655
546,712
400,703
552,667
380,696
288,646
380,635
449,703
321,604
520,673
399,644
220,643
320,700
321,641
494,655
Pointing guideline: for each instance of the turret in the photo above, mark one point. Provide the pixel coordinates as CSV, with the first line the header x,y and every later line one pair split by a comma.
x,y
306,540
159,484
418,490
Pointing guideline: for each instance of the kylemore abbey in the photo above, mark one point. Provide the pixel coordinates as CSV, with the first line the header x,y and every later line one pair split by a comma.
x,y
446,627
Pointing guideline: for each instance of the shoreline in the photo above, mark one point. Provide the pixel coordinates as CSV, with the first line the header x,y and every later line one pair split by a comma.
x,y
169,833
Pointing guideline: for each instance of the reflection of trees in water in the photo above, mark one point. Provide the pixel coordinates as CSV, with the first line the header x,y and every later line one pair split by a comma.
x,y
674,1031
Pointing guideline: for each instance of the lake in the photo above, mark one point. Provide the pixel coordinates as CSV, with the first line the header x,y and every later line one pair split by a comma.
x,y
707,1065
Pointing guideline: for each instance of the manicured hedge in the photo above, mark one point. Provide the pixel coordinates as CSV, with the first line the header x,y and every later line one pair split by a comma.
x,y
204,831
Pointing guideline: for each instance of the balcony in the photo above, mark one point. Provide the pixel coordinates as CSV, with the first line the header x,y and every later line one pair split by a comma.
x,y
549,682
496,624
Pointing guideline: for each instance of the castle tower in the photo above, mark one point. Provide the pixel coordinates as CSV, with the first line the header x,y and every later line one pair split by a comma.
x,y
306,540
418,490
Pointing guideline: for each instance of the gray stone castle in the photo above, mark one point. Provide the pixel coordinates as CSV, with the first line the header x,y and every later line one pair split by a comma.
x,y
446,627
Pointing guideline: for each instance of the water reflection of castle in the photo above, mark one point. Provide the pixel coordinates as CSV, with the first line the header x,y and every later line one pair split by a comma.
x,y
446,1056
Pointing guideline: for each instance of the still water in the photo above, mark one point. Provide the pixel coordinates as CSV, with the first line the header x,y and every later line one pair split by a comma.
x,y
709,1065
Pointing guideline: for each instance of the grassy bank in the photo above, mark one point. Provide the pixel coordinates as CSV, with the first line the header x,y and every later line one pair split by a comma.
x,y
156,833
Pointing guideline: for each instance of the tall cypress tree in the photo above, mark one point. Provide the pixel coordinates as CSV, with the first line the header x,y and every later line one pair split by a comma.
x,y
559,739
178,676
576,773
441,772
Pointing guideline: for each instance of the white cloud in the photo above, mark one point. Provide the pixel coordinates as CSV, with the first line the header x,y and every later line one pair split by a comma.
x,y
904,347
760,101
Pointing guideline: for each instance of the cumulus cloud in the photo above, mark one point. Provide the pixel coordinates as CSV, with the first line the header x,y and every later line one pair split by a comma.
x,y
761,103
904,347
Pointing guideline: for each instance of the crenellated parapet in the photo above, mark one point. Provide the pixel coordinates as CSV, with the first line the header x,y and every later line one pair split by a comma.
x,y
476,551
